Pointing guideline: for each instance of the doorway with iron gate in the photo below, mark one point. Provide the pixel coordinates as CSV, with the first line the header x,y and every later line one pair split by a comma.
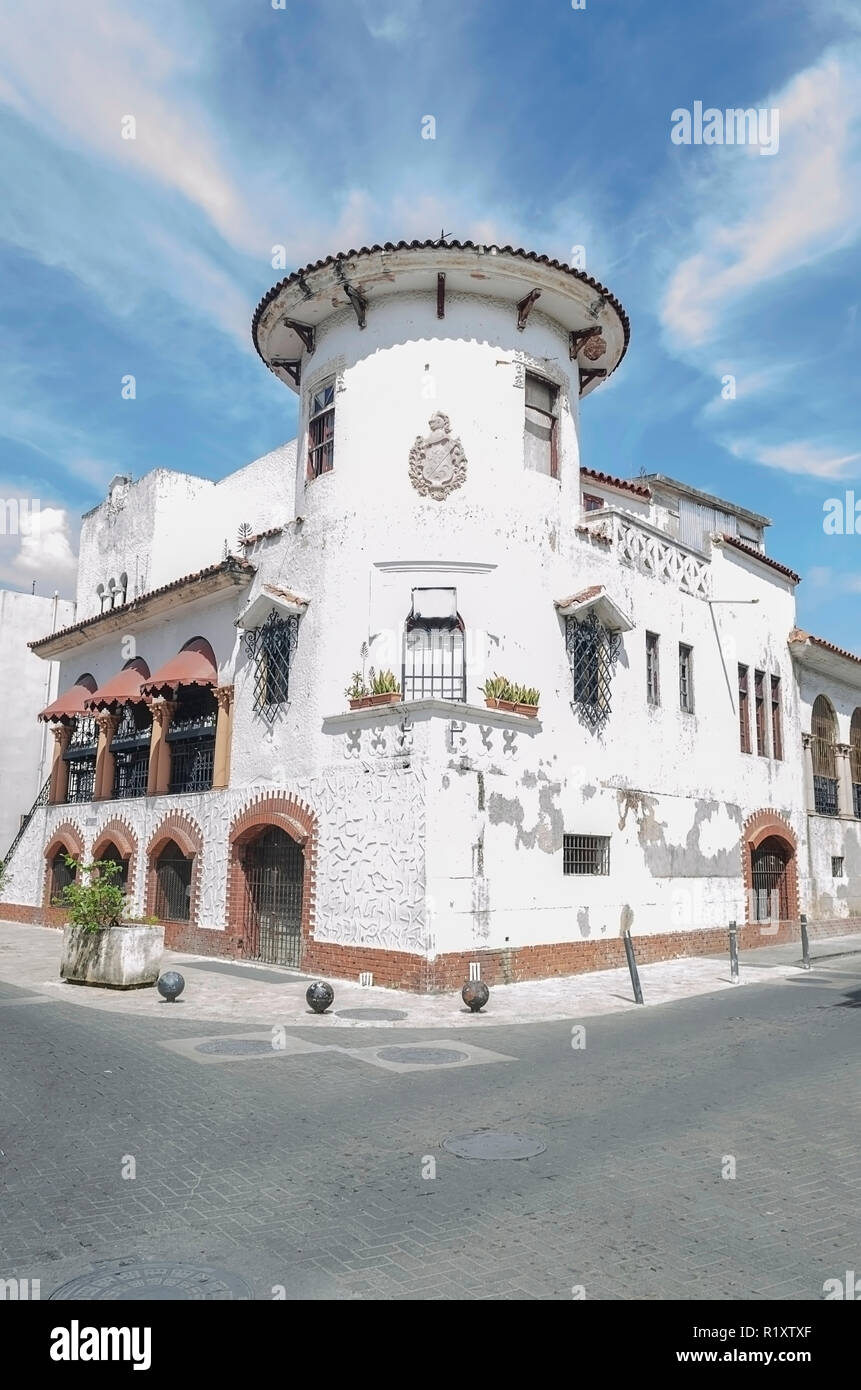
x,y
771,874
273,866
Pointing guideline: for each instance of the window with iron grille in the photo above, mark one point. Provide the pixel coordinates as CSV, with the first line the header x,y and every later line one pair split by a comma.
x,y
271,648
855,761
585,854
759,713
130,746
81,757
173,872
653,675
743,710
112,855
62,874
541,435
321,430
191,738
837,866
434,659
686,678
592,651
776,719
823,729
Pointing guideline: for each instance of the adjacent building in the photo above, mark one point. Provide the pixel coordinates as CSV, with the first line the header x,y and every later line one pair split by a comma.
x,y
694,758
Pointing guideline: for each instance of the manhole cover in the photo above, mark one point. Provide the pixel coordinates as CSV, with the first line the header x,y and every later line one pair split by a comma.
x,y
487,1144
432,1056
235,1047
154,1281
372,1015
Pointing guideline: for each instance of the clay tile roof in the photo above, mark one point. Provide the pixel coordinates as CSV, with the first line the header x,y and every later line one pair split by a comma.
x,y
262,535
194,665
591,592
71,702
121,689
436,243
621,484
232,565
758,555
798,637
284,593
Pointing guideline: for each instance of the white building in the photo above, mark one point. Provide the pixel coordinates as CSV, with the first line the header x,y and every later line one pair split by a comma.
x,y
434,519
28,684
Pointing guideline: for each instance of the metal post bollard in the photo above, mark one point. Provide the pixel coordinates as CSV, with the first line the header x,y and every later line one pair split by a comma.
x,y
733,951
632,966
805,943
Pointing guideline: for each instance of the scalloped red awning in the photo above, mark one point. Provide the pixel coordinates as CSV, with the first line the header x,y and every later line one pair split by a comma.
x,y
70,703
194,665
123,688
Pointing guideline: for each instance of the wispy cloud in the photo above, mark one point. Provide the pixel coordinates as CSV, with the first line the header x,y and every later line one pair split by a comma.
x,y
802,457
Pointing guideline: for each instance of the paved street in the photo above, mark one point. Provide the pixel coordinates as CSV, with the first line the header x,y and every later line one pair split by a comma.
x,y
301,1166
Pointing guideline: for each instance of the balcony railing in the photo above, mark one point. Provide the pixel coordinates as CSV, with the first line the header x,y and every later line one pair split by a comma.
x,y
651,551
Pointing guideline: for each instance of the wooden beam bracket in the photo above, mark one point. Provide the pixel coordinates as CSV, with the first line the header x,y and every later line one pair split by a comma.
x,y
577,340
359,303
524,307
588,374
291,365
306,332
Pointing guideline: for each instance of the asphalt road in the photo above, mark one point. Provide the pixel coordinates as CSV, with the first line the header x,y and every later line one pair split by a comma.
x,y
307,1175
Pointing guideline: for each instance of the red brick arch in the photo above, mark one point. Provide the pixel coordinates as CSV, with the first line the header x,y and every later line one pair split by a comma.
x,y
123,836
186,833
763,825
68,837
297,820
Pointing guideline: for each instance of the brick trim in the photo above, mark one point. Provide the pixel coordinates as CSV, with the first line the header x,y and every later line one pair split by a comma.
x,y
762,825
123,836
298,821
186,833
69,837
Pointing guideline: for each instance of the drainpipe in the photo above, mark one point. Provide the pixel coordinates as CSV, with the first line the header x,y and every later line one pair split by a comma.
x,y
47,700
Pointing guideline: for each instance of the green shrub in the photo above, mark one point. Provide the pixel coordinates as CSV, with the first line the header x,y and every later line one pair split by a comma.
x,y
384,683
94,902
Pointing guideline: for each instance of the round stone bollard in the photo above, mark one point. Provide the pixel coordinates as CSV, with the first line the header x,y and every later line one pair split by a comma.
x,y
320,996
475,995
170,985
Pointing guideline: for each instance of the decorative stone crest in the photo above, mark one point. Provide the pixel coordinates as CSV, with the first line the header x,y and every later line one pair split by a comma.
x,y
594,348
437,462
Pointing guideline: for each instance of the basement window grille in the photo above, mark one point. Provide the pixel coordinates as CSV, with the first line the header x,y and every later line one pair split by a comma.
x,y
836,866
271,648
592,651
585,854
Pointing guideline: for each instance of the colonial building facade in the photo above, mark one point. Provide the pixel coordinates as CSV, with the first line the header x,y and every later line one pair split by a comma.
x,y
694,758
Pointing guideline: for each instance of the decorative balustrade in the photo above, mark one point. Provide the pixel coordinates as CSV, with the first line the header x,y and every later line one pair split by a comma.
x,y
651,551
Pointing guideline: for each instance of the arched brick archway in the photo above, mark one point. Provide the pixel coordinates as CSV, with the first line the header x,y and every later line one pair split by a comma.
x,y
121,834
68,838
769,826
297,821
185,833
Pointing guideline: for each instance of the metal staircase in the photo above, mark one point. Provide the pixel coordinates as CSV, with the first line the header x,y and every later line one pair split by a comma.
x,y
41,800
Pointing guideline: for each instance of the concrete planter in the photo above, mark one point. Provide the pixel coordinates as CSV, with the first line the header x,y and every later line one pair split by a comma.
x,y
115,957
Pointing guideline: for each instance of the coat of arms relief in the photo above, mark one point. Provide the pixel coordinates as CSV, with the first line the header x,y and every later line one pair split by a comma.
x,y
437,461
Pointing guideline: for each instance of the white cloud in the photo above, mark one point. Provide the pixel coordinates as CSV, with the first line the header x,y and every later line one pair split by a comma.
x,y
42,551
802,457
764,218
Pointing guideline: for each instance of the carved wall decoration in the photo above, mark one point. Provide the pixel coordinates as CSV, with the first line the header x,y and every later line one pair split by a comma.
x,y
437,461
594,348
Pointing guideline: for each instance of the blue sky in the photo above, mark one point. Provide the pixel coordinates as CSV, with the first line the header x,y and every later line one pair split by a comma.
x,y
302,126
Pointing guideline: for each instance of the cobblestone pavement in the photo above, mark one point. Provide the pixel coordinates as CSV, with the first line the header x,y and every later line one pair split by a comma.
x,y
306,1166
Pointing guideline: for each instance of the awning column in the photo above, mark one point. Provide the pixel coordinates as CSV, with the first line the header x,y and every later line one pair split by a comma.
x,y
59,788
223,735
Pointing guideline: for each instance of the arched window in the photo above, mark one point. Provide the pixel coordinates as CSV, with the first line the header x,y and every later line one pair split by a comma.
x,y
855,760
823,729
113,854
62,874
434,656
173,884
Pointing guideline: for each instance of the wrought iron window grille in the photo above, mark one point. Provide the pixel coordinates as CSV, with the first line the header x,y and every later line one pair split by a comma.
x,y
271,648
592,654
585,854
434,660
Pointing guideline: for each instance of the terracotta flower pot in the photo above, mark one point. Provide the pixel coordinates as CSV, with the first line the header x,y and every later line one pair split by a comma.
x,y
507,705
389,697
529,710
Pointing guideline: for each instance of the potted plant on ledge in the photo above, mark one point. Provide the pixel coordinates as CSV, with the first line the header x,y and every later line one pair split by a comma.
x,y
381,688
98,947
501,693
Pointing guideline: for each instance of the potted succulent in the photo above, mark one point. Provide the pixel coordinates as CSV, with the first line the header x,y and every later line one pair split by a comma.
x,y
381,688
100,946
501,693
